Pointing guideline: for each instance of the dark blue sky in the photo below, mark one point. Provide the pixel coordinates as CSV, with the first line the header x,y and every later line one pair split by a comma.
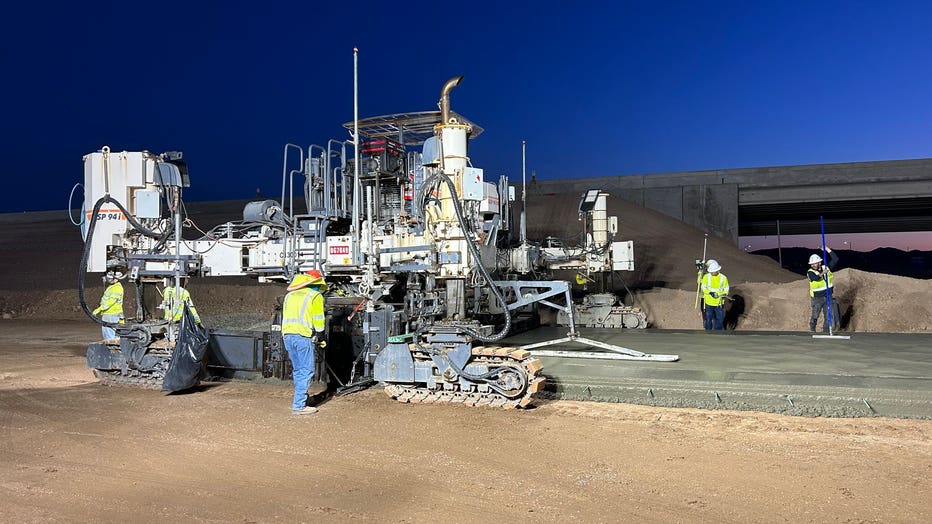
x,y
596,89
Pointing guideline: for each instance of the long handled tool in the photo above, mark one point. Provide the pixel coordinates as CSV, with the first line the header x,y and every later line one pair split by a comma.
x,y
828,292
700,269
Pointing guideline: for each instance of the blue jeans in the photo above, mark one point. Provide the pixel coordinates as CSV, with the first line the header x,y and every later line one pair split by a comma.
x,y
301,351
714,315
109,332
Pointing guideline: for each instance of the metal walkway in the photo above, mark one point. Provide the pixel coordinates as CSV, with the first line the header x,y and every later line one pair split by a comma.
x,y
792,373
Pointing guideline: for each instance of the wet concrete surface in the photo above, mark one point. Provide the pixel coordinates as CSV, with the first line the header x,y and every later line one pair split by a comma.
x,y
869,374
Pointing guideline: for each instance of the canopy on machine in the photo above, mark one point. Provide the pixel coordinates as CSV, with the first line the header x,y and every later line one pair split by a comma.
x,y
410,129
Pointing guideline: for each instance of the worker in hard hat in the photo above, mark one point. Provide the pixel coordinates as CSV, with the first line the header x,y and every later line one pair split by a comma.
x,y
820,280
173,302
111,304
714,290
303,327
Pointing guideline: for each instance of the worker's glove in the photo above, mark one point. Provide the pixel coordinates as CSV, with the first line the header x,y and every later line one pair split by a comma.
x,y
713,294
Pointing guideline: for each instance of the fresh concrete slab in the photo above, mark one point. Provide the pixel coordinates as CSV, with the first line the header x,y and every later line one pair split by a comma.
x,y
869,374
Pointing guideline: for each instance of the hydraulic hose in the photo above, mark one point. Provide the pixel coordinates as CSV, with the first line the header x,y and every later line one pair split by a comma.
x,y
488,378
85,254
477,261
70,199
82,267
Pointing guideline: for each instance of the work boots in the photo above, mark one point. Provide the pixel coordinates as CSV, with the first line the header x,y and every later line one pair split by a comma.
x,y
307,410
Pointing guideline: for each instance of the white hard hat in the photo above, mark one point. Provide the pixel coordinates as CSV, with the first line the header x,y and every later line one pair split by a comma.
x,y
813,259
714,266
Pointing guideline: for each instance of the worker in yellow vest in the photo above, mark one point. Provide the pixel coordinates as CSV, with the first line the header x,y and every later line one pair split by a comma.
x,y
111,304
303,325
821,279
173,303
714,291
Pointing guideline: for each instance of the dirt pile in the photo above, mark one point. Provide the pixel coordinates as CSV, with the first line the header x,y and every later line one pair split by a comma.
x,y
665,249
766,297
40,254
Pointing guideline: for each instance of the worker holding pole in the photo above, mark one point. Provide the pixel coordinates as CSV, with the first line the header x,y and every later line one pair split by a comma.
x,y
714,285
821,285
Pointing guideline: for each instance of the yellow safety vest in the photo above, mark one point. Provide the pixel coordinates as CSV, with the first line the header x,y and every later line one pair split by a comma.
x,y
714,284
819,285
111,303
303,313
175,308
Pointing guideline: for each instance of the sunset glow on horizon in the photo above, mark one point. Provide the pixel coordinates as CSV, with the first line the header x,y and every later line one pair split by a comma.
x,y
863,242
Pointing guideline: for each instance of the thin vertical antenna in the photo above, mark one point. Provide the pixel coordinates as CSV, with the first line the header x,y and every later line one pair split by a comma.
x,y
523,193
356,188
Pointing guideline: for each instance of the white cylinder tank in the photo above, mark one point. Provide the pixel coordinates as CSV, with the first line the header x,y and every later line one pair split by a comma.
x,y
453,138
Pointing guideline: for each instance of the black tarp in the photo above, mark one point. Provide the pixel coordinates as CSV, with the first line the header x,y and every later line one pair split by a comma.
x,y
190,346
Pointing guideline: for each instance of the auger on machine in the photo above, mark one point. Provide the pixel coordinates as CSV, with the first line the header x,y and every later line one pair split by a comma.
x,y
425,277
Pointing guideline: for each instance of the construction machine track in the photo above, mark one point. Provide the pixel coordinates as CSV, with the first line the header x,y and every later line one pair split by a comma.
x,y
494,356
114,378
150,378
631,317
616,317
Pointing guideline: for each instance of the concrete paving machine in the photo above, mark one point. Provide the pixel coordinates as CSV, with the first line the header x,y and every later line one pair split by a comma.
x,y
425,276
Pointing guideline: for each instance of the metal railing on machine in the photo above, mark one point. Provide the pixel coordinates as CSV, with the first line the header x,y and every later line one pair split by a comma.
x,y
335,187
326,197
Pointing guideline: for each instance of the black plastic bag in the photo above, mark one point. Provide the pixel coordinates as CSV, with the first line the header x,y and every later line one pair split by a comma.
x,y
190,346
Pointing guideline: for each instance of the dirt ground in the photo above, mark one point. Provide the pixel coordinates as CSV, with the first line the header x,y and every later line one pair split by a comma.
x,y
74,450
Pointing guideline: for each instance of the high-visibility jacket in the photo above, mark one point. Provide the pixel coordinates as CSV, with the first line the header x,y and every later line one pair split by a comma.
x,y
303,313
174,307
714,284
817,282
111,303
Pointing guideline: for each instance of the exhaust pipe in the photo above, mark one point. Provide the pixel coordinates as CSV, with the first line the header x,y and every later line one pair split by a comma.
x,y
445,98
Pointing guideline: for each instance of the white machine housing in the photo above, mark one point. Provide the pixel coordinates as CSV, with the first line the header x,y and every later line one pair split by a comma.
x,y
131,177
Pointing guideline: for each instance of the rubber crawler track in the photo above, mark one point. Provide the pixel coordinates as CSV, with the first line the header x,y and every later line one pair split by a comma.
x,y
496,355
633,317
114,378
627,316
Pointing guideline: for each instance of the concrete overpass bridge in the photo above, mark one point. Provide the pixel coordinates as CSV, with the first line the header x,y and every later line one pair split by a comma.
x,y
855,197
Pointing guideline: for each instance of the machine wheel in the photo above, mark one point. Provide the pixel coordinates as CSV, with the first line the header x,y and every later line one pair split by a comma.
x,y
631,321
